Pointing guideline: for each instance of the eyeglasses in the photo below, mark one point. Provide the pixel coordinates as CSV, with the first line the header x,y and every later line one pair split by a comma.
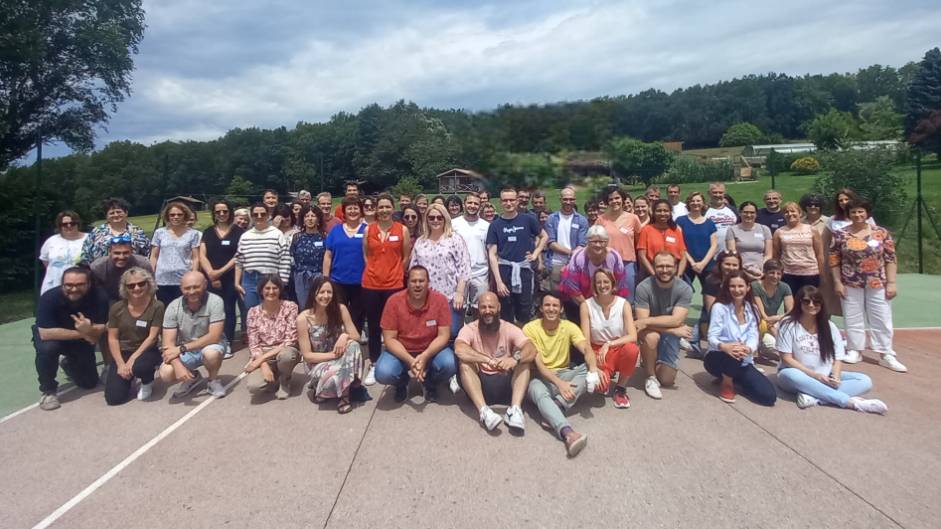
x,y
410,217
124,238
68,224
74,286
222,212
811,301
135,286
260,215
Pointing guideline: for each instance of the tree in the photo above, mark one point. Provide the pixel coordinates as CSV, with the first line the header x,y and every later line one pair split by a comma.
x,y
632,157
870,173
741,134
64,65
833,130
924,96
878,120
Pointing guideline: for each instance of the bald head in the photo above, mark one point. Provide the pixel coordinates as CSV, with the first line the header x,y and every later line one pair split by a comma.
x,y
193,285
488,305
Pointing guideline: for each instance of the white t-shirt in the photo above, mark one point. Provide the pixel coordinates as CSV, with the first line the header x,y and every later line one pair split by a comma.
x,y
58,253
794,339
722,218
563,237
475,236
679,210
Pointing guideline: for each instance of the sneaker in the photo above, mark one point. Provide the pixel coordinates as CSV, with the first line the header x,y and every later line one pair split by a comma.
x,y
401,393
805,401
489,418
431,394
453,385
852,356
188,386
229,352
145,391
514,418
284,390
759,369
727,392
620,398
652,387
49,402
216,389
575,442
768,341
871,406
892,363
695,352
685,345
370,376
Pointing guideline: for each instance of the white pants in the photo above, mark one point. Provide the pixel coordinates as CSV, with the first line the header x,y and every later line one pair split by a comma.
x,y
867,308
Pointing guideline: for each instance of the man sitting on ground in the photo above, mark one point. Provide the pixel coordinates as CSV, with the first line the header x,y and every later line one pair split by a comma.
x,y
193,337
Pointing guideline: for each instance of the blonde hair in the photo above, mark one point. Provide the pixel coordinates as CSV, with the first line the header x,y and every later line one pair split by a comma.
x,y
426,230
794,205
136,271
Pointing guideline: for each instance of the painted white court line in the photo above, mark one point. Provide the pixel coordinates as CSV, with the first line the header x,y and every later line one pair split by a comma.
x,y
897,329
34,405
67,506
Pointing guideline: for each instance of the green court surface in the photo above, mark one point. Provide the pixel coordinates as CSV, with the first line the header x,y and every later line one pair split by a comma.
x,y
916,306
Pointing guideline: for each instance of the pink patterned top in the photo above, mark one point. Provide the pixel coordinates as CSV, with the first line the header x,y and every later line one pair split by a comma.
x,y
265,332
862,260
447,262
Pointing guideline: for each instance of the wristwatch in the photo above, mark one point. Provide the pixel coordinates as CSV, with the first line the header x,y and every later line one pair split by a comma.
x,y
182,348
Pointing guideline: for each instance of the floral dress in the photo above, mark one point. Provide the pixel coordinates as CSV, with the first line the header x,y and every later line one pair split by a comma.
x,y
862,260
97,242
332,379
447,262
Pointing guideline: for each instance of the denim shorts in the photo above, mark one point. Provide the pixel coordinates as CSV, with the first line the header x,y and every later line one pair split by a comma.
x,y
194,359
668,350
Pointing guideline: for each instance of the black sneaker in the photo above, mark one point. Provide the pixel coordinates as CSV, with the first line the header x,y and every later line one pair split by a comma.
x,y
431,394
66,368
401,393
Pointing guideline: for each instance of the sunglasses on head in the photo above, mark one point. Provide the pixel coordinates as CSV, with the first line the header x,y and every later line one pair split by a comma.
x,y
121,239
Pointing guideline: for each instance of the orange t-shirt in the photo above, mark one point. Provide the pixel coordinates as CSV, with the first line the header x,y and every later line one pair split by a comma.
x,y
622,233
653,241
384,269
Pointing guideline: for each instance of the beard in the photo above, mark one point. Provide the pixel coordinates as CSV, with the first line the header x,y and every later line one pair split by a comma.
x,y
491,327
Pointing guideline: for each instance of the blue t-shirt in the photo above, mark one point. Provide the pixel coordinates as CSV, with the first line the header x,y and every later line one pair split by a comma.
x,y
514,237
348,262
696,236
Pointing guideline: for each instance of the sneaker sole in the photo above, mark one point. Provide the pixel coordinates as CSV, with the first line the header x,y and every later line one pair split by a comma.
x,y
727,400
577,446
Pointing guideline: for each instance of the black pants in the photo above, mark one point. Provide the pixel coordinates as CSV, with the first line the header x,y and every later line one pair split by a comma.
x,y
352,295
167,293
375,303
754,385
118,389
796,282
517,307
80,363
230,298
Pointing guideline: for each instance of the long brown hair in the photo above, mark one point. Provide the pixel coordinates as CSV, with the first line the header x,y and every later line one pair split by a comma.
x,y
725,295
824,336
838,212
334,323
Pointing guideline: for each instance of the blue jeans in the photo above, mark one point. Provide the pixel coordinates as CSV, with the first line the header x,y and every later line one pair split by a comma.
x,y
250,284
852,384
303,280
392,371
631,268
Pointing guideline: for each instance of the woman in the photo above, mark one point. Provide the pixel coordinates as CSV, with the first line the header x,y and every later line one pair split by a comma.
x,y
750,240
97,242
488,212
770,294
642,209
307,251
412,220
660,235
262,250
455,206
329,345
812,204
838,221
438,199
285,222
726,263
242,218
386,248
733,341
622,227
272,340
864,265
700,238
134,324
217,250
811,353
298,219
421,202
799,248
606,319
444,253
369,209
174,251
343,261
62,250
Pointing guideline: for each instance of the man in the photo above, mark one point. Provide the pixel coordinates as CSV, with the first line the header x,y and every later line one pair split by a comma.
x,y
416,326
352,191
566,232
325,203
193,337
514,242
404,200
661,305
679,207
652,193
522,198
473,230
577,275
539,202
557,387
304,197
720,212
592,210
70,319
771,215
107,270
495,361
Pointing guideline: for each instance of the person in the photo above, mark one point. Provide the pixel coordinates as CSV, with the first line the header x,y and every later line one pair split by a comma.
x,y
62,250
261,250
444,254
272,340
174,251
307,251
270,199
750,240
661,304
495,361
838,221
107,270
134,325
720,212
660,235
96,243
488,212
343,261
864,266
454,206
592,211
284,221
416,326
438,199
566,233
352,191
296,220
733,342
522,200
811,359
623,228
772,215
70,319
421,202
770,294
812,205
325,204
679,207
405,199
726,262
576,284
642,209
329,345
412,220
242,218
652,193
700,238
607,322
539,201
799,248
484,196
217,257
369,209
304,198
473,230
558,386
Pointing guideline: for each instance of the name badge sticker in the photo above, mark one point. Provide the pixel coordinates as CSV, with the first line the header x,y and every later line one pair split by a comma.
x,y
357,235
226,243
574,226
760,236
393,238
318,244
431,323
873,243
511,238
141,323
671,239
624,230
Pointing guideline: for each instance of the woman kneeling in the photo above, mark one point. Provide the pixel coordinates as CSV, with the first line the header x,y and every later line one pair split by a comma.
x,y
272,339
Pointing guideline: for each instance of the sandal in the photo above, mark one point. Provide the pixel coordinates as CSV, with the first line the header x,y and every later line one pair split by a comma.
x,y
344,406
319,400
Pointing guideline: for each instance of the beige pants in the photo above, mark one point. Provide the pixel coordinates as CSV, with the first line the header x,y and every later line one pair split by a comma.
x,y
282,364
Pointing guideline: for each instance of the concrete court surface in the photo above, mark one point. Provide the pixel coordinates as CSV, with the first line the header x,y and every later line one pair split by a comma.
x,y
686,461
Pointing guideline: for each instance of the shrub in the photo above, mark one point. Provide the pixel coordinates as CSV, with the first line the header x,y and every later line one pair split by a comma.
x,y
806,165
741,134
870,174
686,170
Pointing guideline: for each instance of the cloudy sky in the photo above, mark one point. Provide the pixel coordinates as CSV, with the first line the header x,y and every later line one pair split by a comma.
x,y
205,67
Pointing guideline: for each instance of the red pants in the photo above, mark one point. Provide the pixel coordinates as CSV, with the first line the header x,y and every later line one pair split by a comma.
x,y
621,359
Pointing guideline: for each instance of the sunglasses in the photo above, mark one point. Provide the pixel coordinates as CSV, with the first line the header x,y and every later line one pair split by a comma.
x,y
811,301
222,212
435,217
121,239
260,215
410,217
68,224
135,286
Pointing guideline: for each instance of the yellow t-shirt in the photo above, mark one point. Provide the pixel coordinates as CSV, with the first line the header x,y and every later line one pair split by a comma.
x,y
554,348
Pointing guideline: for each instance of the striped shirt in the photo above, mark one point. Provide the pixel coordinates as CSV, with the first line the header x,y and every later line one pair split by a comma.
x,y
264,251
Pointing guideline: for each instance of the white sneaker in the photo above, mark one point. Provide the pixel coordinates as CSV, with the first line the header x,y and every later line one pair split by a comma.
x,y
216,389
871,406
892,363
652,387
229,353
852,357
489,418
806,401
768,341
145,391
685,345
514,418
370,376
453,385
188,386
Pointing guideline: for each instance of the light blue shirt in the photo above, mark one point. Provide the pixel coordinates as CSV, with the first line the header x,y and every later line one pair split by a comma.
x,y
725,328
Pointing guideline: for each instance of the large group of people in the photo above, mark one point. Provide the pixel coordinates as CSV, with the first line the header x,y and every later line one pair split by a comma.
x,y
524,304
